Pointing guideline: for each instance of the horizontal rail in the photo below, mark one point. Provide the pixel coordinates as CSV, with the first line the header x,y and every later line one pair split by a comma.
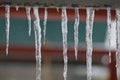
x,y
100,15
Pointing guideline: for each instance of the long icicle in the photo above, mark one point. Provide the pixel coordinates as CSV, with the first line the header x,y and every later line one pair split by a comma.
x,y
89,30
64,35
109,31
37,30
29,19
76,25
7,15
45,22
118,43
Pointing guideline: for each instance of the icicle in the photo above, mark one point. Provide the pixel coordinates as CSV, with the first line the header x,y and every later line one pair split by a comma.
x,y
76,25
37,30
64,35
89,29
118,43
29,19
109,31
17,7
57,9
7,15
45,22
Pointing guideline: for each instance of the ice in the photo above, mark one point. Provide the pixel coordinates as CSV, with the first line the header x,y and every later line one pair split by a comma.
x,y
29,19
37,30
76,25
64,35
118,43
7,16
57,9
45,22
109,31
17,7
89,30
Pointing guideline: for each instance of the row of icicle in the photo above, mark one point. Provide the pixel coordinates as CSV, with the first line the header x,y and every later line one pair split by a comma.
x,y
89,30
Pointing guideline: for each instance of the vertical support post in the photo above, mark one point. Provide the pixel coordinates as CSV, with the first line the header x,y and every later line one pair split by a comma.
x,y
112,65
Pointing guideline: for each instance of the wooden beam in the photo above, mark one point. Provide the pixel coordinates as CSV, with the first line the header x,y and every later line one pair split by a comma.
x,y
53,14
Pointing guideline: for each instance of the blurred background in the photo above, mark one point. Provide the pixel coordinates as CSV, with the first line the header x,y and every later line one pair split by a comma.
x,y
20,63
